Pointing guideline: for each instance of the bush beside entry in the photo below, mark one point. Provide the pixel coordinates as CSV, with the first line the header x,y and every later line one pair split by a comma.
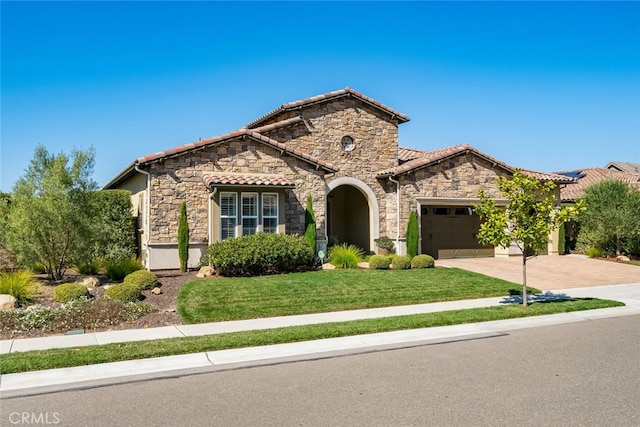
x,y
423,261
379,262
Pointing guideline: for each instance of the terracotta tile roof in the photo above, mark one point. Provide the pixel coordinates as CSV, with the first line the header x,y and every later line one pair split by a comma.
x,y
232,135
418,159
590,176
346,92
277,125
624,167
227,178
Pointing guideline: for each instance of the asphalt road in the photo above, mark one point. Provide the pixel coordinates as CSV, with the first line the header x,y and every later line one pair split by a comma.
x,y
578,374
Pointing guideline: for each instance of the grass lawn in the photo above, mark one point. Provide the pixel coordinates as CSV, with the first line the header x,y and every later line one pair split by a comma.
x,y
331,290
79,356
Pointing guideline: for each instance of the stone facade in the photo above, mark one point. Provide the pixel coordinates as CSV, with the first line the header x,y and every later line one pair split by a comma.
x,y
302,144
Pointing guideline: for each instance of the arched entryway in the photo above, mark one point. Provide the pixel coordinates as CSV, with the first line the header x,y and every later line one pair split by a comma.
x,y
352,213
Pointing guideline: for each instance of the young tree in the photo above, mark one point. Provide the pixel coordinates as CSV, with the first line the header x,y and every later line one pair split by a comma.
x,y
612,217
113,236
310,225
49,218
183,237
530,215
412,234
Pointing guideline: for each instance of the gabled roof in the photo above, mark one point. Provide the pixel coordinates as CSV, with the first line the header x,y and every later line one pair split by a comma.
x,y
589,176
417,159
201,144
330,96
624,167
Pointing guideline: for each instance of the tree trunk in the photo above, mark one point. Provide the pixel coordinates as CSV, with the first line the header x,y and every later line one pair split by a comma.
x,y
524,278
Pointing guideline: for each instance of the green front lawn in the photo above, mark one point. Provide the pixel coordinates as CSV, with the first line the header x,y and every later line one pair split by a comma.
x,y
80,356
331,290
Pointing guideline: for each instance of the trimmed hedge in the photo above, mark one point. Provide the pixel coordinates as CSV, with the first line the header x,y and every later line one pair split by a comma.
x,y
379,262
141,279
259,254
401,262
124,292
69,292
423,261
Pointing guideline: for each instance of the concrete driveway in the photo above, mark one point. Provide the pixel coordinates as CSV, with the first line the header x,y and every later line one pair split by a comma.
x,y
551,272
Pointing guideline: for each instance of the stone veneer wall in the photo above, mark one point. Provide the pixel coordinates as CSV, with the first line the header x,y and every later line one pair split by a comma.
x,y
461,177
179,179
376,146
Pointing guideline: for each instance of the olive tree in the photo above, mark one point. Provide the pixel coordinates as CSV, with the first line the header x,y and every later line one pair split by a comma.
x,y
611,220
49,218
532,212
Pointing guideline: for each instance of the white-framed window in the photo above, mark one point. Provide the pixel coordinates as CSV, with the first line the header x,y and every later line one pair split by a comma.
x,y
249,213
228,215
270,212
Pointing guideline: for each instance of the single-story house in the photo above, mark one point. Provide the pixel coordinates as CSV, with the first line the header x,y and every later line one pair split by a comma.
x,y
342,149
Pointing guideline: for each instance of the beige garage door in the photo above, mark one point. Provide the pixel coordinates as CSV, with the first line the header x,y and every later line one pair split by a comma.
x,y
450,232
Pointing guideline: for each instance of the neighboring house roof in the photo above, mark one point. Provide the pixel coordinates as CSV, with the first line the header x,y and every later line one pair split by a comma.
x,y
234,179
201,144
330,96
589,176
412,160
624,167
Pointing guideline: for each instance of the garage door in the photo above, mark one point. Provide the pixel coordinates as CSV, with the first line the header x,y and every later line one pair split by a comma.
x,y
450,232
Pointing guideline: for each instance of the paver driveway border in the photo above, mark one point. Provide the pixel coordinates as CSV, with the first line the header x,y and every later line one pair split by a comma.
x,y
550,272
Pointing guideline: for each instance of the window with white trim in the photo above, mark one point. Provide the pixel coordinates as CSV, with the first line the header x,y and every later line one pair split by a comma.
x,y
228,215
270,212
249,213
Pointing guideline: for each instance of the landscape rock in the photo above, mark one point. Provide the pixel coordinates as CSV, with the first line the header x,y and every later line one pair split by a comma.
x,y
205,271
623,258
90,282
156,291
7,302
328,266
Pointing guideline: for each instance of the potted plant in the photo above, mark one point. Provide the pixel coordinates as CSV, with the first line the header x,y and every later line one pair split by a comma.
x,y
385,245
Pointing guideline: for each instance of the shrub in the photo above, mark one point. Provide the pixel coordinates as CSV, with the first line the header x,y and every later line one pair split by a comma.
x,y
345,256
412,234
114,233
119,269
401,262
124,292
183,237
422,261
561,240
595,252
259,254
379,262
90,268
310,225
21,285
141,279
69,292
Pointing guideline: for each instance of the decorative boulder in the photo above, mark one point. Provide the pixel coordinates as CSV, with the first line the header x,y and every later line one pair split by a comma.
x,y
623,258
156,291
7,302
91,281
205,271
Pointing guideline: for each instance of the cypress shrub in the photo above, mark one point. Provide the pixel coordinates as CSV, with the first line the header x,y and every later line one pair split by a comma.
x,y
412,234
183,237
561,240
310,225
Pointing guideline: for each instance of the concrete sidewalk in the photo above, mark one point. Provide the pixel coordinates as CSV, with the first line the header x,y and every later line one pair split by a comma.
x,y
225,359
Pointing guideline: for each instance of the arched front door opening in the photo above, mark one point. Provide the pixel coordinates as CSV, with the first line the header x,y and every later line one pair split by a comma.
x,y
348,217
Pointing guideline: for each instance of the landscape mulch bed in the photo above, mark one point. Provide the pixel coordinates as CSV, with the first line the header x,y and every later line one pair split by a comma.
x,y
166,314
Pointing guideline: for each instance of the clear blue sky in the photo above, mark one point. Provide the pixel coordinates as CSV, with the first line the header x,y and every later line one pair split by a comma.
x,y
542,85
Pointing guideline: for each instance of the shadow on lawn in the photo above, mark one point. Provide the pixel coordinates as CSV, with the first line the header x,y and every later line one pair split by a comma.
x,y
515,297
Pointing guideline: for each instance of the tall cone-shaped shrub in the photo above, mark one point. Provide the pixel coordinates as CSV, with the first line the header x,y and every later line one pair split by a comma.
x,y
183,237
310,225
412,234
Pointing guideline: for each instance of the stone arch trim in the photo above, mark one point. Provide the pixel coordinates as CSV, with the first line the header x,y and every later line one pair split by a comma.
x,y
372,201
